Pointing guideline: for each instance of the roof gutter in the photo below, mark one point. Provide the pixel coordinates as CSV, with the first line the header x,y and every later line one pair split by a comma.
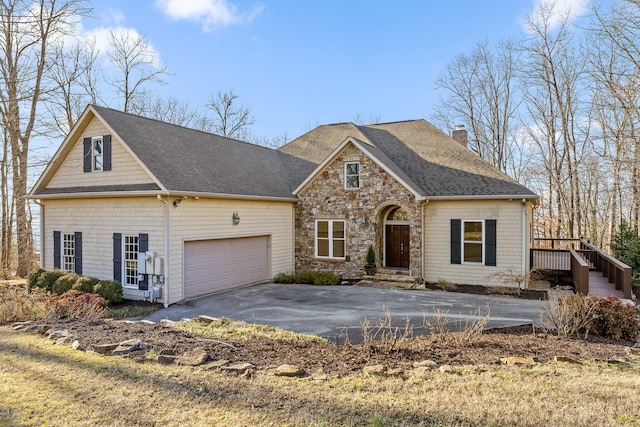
x,y
154,193
486,197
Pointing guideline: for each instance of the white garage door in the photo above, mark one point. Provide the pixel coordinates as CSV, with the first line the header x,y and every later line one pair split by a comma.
x,y
217,265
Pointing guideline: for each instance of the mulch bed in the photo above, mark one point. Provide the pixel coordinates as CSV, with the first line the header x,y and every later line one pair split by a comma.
x,y
337,360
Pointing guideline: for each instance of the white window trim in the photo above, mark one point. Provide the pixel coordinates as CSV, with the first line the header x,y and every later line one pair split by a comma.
x,y
93,156
330,238
68,259
346,175
124,261
481,221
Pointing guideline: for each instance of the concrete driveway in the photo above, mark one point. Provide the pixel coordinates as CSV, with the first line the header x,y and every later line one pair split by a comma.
x,y
333,311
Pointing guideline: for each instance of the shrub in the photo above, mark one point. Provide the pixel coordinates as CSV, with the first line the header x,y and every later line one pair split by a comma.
x,y
571,315
64,283
286,278
85,284
18,305
306,277
325,278
32,278
74,304
614,318
371,256
110,290
48,278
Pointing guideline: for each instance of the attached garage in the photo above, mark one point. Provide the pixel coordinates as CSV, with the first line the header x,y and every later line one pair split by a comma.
x,y
222,264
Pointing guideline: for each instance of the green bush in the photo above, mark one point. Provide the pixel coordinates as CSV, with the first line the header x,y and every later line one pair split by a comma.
x,y
64,283
286,278
48,278
32,278
110,290
614,318
85,284
306,277
371,256
325,278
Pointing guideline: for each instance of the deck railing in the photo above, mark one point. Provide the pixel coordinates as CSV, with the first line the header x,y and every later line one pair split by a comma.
x,y
575,255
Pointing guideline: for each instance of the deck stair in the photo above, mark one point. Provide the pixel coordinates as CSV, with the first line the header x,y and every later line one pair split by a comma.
x,y
391,275
593,271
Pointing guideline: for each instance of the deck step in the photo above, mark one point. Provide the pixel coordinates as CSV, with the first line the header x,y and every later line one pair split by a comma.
x,y
599,286
398,278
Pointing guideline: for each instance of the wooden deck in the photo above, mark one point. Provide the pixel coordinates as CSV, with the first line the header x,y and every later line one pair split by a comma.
x,y
593,271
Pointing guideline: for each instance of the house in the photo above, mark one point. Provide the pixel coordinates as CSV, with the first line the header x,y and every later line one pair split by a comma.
x,y
175,213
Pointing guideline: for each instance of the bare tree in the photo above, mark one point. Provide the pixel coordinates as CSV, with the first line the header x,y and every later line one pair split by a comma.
x,y
27,31
480,92
137,65
230,119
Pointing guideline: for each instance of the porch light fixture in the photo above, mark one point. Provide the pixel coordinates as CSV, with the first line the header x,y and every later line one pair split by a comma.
x,y
364,222
235,218
176,202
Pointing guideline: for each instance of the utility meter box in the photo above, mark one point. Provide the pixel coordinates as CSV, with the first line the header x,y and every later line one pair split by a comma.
x,y
145,262
158,266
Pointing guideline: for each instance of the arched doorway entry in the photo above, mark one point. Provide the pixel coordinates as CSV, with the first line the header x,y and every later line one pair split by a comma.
x,y
396,238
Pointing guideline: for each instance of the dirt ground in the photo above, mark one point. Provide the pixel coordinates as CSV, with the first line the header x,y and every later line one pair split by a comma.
x,y
336,360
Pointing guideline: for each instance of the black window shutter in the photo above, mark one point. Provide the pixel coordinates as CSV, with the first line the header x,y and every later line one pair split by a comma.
x,y
56,249
86,149
143,246
78,252
456,241
490,242
117,257
106,150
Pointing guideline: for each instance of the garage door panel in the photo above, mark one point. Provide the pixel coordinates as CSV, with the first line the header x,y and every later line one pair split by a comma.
x,y
216,265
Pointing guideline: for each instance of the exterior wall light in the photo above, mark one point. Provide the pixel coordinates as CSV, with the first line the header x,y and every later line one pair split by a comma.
x,y
364,222
235,218
176,202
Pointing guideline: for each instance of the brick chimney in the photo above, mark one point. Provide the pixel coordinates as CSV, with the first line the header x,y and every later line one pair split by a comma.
x,y
460,135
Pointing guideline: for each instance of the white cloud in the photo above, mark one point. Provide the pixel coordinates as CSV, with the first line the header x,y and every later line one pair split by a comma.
x,y
112,17
561,10
209,13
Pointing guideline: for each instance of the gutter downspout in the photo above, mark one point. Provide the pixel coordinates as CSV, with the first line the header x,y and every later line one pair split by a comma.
x,y
41,232
167,229
525,284
422,240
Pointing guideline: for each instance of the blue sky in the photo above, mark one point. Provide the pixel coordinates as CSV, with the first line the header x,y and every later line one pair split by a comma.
x,y
298,64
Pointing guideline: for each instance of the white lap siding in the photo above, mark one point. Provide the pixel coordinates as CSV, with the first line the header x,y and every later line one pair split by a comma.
x,y
509,244
98,219
206,219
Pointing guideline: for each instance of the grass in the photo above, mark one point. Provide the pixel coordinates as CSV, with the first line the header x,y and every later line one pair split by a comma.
x,y
225,328
44,384
130,311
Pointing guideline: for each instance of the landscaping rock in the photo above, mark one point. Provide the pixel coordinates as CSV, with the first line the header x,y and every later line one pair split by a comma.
x,y
207,319
104,348
429,364
167,352
447,369
167,321
56,334
76,345
216,364
374,370
319,375
64,340
421,372
514,360
195,357
128,346
566,360
166,359
238,368
288,371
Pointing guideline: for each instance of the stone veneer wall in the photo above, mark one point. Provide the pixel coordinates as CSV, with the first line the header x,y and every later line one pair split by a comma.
x,y
326,198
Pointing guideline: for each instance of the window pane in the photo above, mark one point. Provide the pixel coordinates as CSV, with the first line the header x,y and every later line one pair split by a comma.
x,y
473,231
323,247
353,168
338,248
472,252
323,229
338,230
97,147
131,260
353,182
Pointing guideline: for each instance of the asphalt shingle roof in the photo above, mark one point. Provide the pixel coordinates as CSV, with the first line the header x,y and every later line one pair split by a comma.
x,y
188,160
419,153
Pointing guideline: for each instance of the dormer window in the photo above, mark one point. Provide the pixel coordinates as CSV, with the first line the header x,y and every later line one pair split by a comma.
x,y
352,176
97,152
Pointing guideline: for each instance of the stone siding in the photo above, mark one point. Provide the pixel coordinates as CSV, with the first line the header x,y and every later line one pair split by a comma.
x,y
325,197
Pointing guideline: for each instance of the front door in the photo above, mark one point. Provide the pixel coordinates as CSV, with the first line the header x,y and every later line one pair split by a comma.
x,y
397,246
